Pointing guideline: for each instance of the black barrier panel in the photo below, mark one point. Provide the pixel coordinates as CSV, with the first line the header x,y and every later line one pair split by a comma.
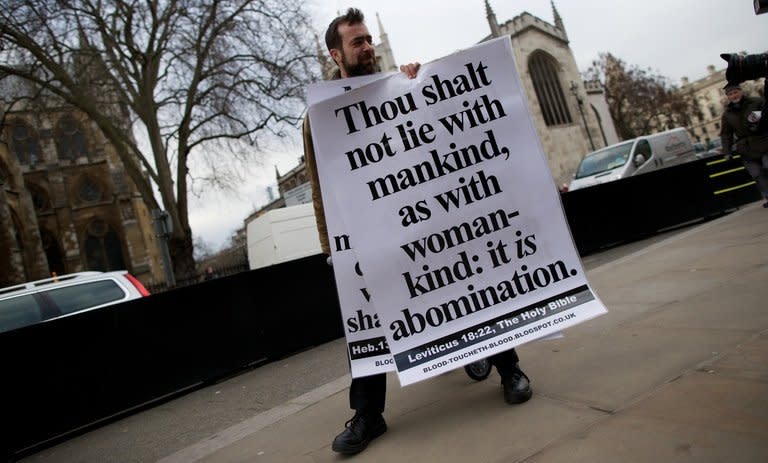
x,y
68,373
631,208
71,372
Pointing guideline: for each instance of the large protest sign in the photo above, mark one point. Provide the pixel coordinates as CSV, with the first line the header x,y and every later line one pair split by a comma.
x,y
457,223
366,343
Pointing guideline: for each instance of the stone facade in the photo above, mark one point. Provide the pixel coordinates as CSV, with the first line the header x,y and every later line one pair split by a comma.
x,y
599,106
66,203
553,85
384,56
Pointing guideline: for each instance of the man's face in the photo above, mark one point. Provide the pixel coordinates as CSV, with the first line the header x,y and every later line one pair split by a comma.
x,y
734,96
357,56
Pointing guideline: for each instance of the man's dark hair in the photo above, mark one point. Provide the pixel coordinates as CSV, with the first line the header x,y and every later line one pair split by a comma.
x,y
332,37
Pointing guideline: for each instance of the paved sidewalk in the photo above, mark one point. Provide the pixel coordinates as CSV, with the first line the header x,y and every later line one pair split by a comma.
x,y
676,371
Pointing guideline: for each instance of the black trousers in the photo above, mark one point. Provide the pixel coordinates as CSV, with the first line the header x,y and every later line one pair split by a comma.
x,y
368,394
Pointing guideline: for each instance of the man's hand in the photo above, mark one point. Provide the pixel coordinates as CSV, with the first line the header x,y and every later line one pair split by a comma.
x,y
410,69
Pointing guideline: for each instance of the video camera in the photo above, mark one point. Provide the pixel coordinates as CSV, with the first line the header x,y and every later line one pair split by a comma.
x,y
745,67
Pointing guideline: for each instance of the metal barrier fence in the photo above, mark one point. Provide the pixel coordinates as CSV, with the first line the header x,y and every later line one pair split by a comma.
x,y
74,372
628,209
219,272
63,376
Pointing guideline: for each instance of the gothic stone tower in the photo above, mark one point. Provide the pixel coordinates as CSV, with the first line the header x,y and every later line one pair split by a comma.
x,y
66,203
567,121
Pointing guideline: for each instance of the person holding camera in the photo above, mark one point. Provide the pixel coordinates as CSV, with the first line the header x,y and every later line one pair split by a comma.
x,y
743,134
744,125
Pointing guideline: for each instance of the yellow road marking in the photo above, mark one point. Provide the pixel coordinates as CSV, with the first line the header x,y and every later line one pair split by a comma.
x,y
735,188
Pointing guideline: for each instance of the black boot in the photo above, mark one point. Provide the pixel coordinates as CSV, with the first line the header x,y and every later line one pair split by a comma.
x,y
517,386
359,432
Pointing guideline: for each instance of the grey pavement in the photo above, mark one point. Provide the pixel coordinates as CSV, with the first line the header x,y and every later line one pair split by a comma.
x,y
676,371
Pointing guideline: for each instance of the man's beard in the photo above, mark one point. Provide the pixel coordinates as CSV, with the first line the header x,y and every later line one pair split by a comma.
x,y
359,69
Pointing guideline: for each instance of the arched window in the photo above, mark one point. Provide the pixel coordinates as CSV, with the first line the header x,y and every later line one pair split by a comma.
x,y
17,230
546,82
103,251
25,143
52,252
70,141
90,191
5,176
17,233
40,198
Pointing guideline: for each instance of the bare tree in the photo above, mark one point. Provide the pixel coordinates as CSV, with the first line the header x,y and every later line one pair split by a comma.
x,y
195,78
640,101
203,249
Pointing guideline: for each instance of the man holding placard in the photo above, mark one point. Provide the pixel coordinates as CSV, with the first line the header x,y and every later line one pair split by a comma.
x,y
350,45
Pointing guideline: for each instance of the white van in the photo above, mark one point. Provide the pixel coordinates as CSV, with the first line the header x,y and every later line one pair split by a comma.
x,y
281,235
633,157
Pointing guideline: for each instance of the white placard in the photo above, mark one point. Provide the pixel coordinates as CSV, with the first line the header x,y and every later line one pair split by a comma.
x,y
366,344
457,223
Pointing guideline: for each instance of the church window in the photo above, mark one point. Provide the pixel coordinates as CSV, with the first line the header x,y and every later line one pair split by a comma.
x,y
40,198
90,191
4,175
52,252
103,250
25,143
17,230
70,141
546,82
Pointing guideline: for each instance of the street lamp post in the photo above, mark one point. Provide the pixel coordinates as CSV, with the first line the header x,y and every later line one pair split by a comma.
x,y
580,101
163,230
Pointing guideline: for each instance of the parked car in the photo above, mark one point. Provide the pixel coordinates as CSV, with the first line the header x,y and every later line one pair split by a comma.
x,y
61,296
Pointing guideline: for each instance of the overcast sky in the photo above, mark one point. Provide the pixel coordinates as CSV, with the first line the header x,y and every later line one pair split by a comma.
x,y
675,38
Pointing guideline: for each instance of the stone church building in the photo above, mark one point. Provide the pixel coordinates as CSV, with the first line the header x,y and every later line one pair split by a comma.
x,y
66,203
571,115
